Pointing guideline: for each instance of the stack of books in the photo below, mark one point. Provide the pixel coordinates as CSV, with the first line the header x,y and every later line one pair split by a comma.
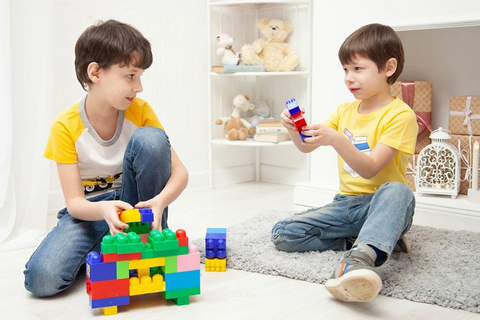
x,y
239,68
271,130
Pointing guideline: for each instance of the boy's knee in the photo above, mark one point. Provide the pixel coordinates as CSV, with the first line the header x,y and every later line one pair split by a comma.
x,y
398,189
154,139
43,281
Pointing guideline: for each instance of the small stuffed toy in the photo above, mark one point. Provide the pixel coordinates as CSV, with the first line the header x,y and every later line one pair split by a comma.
x,y
225,50
260,112
273,51
237,128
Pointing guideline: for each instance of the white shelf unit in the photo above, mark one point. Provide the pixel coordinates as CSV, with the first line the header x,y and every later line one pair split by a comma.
x,y
239,161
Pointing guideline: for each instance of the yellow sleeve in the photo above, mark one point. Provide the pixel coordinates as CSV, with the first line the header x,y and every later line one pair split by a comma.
x,y
142,114
333,120
401,132
60,145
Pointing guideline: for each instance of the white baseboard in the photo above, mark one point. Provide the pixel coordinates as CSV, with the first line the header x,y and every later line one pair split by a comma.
x,y
431,210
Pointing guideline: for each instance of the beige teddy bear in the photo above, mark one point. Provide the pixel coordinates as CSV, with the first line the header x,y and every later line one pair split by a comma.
x,y
237,128
273,51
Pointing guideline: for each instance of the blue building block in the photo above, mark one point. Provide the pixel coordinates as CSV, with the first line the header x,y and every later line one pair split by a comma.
x,y
109,302
216,243
100,271
146,214
297,117
181,280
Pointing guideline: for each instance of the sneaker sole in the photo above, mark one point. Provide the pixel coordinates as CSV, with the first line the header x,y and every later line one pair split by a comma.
x,y
403,245
355,286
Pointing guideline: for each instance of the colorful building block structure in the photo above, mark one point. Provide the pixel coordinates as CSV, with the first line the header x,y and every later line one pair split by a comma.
x,y
142,262
297,117
216,250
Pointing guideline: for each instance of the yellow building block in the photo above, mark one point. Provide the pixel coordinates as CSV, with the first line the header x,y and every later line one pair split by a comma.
x,y
146,285
142,272
130,215
110,311
146,263
215,265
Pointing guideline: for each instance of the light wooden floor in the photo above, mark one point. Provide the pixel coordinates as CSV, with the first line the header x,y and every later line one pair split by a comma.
x,y
230,295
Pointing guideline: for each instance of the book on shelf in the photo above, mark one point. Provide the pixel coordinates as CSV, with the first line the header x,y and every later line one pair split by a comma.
x,y
271,137
280,129
238,68
269,123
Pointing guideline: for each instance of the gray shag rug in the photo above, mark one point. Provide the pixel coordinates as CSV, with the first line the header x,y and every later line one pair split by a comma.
x,y
443,267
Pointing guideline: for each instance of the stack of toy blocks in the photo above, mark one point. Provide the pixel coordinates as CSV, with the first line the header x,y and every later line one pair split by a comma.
x,y
216,250
164,262
297,117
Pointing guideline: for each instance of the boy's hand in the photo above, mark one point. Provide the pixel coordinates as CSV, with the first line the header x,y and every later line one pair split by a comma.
x,y
286,119
321,135
109,212
157,209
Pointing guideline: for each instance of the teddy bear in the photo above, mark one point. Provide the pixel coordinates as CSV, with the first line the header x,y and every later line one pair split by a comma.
x,y
237,128
272,51
225,50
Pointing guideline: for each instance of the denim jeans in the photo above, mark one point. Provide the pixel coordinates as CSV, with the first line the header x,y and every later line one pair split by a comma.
x,y
146,169
378,219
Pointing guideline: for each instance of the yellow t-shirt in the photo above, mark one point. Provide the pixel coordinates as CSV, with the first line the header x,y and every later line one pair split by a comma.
x,y
73,140
394,125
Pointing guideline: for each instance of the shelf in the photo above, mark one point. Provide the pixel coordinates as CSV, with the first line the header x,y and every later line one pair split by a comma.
x,y
234,161
257,3
250,143
260,74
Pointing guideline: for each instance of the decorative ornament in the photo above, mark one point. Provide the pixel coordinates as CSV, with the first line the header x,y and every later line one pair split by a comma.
x,y
438,166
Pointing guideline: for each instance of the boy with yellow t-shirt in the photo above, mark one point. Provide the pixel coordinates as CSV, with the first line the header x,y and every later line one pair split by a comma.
x,y
373,137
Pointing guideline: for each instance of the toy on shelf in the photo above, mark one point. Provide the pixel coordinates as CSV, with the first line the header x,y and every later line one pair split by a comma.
x,y
225,50
237,128
297,117
216,250
272,50
163,263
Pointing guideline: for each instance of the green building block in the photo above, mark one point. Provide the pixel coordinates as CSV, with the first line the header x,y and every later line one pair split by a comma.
x,y
108,245
139,227
129,243
170,265
147,252
173,252
172,294
123,270
154,271
182,301
164,240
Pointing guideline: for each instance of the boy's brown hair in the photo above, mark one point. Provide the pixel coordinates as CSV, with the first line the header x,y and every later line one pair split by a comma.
x,y
108,43
376,42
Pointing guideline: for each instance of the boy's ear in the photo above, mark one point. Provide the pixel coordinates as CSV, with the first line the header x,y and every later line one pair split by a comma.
x,y
390,67
93,71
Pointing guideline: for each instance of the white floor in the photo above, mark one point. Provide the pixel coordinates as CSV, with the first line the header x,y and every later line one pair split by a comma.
x,y
230,295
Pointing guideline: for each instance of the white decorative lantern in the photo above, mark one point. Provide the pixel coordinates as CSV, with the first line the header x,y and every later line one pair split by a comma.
x,y
438,166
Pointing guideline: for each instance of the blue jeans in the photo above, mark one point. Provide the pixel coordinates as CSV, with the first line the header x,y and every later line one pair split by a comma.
x,y
146,169
378,219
